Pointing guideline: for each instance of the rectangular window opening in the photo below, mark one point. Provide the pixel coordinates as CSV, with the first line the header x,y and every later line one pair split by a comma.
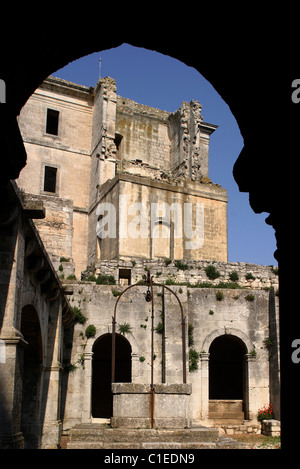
x,y
50,179
125,276
52,122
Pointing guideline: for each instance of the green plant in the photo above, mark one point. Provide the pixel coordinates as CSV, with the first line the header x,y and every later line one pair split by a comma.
x,y
91,278
268,343
167,262
219,295
234,276
71,277
125,328
250,297
105,280
211,272
211,312
170,281
116,292
265,413
181,265
249,276
159,328
78,316
64,259
142,359
90,331
60,268
193,360
190,335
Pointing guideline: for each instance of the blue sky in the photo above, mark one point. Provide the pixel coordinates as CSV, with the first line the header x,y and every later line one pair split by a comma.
x,y
163,82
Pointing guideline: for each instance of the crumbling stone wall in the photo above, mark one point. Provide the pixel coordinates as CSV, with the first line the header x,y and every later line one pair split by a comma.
x,y
245,275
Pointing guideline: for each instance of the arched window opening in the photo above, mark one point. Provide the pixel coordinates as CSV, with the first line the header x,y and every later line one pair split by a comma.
x,y
226,368
102,397
32,376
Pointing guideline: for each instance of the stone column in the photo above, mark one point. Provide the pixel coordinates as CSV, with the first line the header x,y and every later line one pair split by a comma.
x,y
51,387
204,357
87,401
52,426
249,397
11,394
11,285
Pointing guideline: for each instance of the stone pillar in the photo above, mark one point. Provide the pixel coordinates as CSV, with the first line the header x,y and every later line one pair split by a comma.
x,y
51,384
11,285
52,426
249,398
87,401
204,357
11,394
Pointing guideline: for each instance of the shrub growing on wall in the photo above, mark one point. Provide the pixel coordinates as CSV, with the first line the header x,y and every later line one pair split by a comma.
x,y
211,272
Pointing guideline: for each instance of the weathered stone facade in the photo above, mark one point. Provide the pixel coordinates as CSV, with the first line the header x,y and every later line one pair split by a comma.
x,y
110,149
104,149
34,315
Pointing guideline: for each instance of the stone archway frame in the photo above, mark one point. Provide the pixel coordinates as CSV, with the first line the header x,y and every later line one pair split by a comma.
x,y
227,331
155,411
204,357
149,283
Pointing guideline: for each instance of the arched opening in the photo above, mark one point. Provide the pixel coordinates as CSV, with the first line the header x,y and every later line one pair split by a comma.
x,y
102,397
226,363
227,378
32,378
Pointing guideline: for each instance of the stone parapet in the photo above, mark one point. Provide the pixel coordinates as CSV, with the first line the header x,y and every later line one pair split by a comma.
x,y
190,272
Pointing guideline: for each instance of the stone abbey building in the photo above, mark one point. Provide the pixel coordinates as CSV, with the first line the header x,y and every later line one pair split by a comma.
x,y
127,309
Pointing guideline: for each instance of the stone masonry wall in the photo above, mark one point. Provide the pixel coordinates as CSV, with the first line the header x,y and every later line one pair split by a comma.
x,y
250,276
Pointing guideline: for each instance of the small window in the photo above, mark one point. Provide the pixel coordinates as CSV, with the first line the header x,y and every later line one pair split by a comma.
x,y
118,140
125,276
52,122
50,179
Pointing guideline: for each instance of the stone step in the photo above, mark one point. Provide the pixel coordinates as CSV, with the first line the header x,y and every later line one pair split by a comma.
x,y
226,411
97,432
225,414
95,436
227,421
225,405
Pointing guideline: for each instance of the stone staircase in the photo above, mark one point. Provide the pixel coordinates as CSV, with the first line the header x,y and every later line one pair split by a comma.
x,y
223,412
99,436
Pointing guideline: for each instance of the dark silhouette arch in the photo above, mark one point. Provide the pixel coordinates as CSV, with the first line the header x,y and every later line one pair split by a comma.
x,y
251,72
102,397
32,378
226,368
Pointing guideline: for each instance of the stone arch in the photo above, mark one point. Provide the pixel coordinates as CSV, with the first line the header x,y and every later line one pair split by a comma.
x,y
102,397
246,346
31,378
226,367
227,330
